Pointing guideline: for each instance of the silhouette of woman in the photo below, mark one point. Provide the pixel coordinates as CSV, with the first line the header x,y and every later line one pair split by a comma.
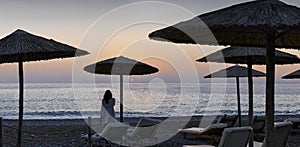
x,y
107,109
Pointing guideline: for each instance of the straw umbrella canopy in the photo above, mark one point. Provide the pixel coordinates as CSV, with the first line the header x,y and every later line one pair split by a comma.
x,y
264,23
236,72
293,75
21,46
120,66
249,56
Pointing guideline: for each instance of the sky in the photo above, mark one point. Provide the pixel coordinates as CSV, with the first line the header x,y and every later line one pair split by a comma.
x,y
108,29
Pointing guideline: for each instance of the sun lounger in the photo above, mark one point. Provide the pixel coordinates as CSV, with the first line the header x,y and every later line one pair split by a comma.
x,y
144,133
112,133
282,132
232,137
212,132
295,121
259,123
259,128
230,120
146,122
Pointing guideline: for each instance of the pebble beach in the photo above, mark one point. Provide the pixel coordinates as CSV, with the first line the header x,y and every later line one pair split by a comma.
x,y
68,132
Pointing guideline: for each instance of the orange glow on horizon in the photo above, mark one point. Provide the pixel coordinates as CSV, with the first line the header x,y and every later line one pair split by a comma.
x,y
68,25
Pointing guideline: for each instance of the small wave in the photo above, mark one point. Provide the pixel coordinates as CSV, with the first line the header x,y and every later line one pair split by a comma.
x,y
57,100
54,113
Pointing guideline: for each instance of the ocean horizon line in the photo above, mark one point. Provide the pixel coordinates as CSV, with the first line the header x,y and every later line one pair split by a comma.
x,y
243,82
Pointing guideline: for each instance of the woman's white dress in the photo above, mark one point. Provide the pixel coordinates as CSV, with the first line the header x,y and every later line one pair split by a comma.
x,y
108,112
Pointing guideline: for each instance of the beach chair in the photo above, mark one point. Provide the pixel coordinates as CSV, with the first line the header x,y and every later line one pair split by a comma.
x,y
112,133
146,122
282,132
259,127
213,132
295,121
230,120
143,133
259,123
232,137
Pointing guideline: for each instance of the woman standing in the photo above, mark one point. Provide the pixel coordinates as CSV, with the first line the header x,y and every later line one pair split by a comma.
x,y
107,109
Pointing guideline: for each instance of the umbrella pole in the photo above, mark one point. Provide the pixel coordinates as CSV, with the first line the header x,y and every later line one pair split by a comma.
x,y
270,85
121,98
250,88
238,100
21,88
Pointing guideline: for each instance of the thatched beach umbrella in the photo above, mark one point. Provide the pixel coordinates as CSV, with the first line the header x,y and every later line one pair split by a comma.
x,y
250,56
236,72
21,46
293,75
263,23
120,66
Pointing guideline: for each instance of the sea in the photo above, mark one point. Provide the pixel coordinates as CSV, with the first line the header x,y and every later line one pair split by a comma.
x,y
81,100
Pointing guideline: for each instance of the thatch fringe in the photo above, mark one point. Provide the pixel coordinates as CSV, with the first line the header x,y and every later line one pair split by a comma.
x,y
246,23
120,66
293,75
34,48
235,71
245,55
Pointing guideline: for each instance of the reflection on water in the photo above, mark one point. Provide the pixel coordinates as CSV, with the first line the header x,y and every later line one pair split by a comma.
x,y
58,100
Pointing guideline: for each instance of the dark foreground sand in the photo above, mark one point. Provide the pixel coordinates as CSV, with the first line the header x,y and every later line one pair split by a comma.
x,y
68,133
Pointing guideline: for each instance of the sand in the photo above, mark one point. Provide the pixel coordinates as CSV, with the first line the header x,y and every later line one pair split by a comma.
x,y
68,132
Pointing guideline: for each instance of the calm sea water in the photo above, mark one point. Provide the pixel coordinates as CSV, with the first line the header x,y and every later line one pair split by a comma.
x,y
70,101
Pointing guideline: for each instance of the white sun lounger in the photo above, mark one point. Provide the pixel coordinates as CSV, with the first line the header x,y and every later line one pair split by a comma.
x,y
282,132
212,132
113,132
232,137
144,133
295,121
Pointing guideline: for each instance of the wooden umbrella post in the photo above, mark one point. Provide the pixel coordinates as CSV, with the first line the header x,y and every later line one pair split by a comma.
x,y
238,100
21,91
1,143
250,88
270,85
89,131
121,98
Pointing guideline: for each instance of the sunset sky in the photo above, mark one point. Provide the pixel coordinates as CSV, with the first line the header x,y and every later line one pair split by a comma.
x,y
111,28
